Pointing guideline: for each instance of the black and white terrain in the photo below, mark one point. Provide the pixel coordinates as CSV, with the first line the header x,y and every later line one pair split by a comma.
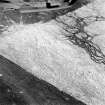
x,y
53,57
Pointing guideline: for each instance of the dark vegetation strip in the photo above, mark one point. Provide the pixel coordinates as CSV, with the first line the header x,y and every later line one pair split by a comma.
x,y
22,88
4,1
